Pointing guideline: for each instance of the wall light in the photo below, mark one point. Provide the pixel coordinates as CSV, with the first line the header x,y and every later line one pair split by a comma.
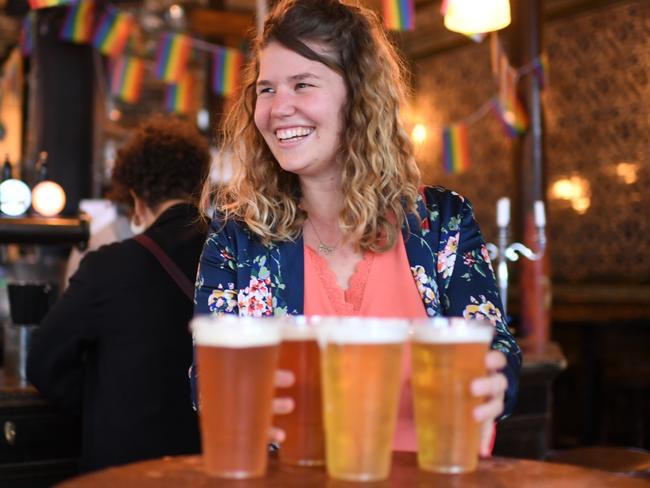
x,y
15,197
419,134
576,190
477,16
48,198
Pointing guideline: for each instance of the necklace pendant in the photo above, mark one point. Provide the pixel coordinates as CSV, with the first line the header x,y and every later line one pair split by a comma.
x,y
325,249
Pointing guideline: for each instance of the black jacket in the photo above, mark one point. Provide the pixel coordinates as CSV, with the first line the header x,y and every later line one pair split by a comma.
x,y
116,347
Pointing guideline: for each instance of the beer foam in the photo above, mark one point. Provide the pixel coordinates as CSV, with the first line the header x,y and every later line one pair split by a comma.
x,y
450,331
361,331
298,327
233,331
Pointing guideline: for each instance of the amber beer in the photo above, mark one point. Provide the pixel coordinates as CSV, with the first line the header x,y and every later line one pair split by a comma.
x,y
447,355
361,361
304,444
236,361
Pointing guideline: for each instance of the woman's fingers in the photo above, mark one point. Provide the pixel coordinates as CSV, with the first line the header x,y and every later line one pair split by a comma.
x,y
492,386
489,411
495,360
487,436
276,435
284,378
282,405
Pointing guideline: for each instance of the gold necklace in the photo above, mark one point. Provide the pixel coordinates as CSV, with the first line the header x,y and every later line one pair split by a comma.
x,y
322,247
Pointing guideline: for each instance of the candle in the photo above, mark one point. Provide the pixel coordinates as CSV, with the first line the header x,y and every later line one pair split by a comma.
x,y
503,212
540,214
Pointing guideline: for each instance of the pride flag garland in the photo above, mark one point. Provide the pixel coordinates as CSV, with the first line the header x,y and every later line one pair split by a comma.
x,y
26,39
173,54
399,15
226,66
36,4
126,78
180,96
78,25
455,150
113,32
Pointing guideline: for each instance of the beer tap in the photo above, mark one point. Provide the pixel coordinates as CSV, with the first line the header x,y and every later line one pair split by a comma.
x,y
504,251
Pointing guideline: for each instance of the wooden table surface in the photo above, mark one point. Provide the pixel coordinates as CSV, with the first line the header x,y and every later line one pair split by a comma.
x,y
187,471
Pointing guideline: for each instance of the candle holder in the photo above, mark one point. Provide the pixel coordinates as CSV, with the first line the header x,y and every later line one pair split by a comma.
x,y
505,251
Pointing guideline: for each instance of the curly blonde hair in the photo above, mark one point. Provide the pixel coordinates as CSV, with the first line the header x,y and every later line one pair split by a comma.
x,y
380,178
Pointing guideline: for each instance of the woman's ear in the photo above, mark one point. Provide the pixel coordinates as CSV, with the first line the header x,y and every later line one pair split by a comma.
x,y
138,206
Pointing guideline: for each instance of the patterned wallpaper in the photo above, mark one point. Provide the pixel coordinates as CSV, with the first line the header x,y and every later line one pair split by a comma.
x,y
597,110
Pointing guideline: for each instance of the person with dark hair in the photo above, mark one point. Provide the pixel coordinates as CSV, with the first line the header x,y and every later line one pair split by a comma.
x,y
115,347
326,214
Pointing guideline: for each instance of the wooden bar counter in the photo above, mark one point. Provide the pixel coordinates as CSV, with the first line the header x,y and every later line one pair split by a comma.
x,y
172,472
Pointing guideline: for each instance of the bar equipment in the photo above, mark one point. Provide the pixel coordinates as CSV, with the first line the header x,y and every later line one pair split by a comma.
x,y
28,304
505,251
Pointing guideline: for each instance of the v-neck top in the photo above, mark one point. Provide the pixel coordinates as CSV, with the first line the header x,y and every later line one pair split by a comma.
x,y
382,285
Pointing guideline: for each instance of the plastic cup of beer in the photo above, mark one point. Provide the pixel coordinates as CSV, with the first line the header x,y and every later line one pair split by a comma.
x,y
304,444
236,362
360,367
447,355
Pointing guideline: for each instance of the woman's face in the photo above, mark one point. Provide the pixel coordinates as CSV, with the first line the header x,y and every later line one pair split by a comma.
x,y
299,110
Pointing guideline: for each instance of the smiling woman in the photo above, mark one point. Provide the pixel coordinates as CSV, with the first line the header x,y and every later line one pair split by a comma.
x,y
299,112
325,214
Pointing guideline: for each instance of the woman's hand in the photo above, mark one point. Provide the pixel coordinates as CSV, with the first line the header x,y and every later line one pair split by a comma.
x,y
492,388
281,405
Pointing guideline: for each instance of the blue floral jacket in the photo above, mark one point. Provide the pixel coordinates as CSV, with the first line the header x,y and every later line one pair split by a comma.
x,y
448,257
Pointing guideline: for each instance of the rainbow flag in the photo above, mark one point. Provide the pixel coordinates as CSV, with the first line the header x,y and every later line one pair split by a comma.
x,y
226,66
173,54
540,69
399,15
506,105
179,97
113,32
78,24
455,150
26,39
511,115
36,4
126,78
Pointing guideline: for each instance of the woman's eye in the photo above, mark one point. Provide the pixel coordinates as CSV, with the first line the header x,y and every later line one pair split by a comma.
x,y
264,90
302,85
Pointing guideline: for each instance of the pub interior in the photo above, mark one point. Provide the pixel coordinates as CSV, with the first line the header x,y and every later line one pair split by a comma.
x,y
551,112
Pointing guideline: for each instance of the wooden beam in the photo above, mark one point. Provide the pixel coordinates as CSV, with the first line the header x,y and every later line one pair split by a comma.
x,y
211,23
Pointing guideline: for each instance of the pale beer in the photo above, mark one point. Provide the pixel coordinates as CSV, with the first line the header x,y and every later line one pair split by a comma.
x,y
304,443
236,362
447,355
361,361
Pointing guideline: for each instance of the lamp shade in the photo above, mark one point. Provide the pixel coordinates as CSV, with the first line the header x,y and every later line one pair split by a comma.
x,y
477,16
15,197
48,198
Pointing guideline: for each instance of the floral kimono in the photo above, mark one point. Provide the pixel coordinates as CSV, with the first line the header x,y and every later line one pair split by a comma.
x,y
447,255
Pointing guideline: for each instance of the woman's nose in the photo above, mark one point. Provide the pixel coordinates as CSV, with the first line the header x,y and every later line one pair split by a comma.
x,y
283,104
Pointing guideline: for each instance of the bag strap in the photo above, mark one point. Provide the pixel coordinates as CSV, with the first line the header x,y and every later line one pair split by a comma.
x,y
170,266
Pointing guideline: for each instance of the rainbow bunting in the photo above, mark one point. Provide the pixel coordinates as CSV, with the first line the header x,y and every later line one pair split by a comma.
x,y
78,24
540,69
511,115
26,39
455,150
180,96
36,4
113,32
507,105
226,66
126,78
173,54
399,15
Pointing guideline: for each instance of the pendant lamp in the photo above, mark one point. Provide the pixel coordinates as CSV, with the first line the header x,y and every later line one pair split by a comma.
x,y
477,16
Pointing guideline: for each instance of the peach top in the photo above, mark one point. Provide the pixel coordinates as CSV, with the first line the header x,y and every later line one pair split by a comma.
x,y
382,286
